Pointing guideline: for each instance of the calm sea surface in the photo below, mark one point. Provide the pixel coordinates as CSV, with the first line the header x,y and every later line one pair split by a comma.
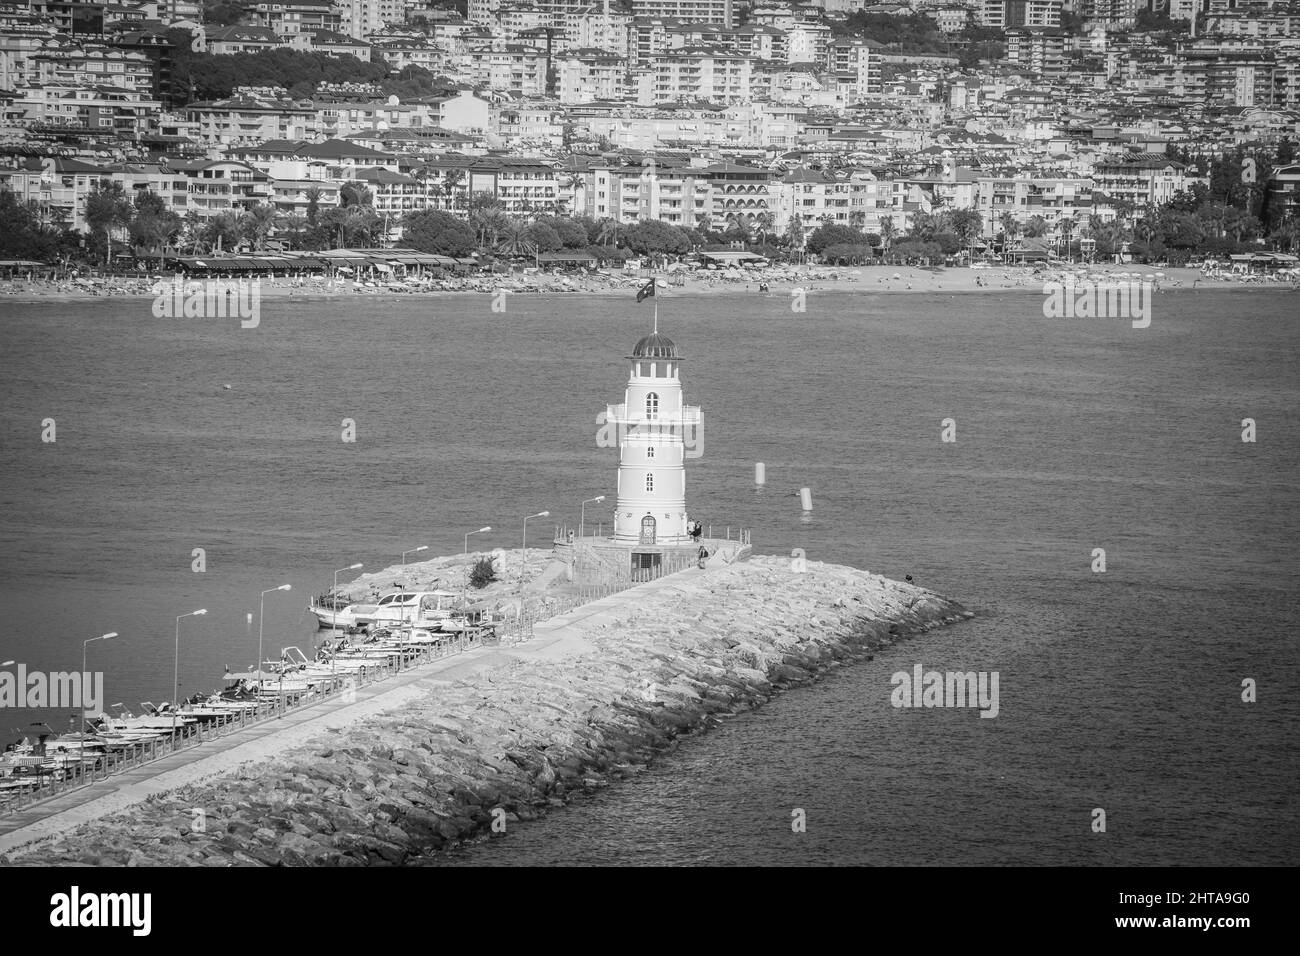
x,y
1118,690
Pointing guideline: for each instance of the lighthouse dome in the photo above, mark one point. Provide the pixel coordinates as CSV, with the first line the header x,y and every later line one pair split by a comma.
x,y
656,346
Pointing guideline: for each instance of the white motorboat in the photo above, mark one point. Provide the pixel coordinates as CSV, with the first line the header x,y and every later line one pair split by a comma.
x,y
417,608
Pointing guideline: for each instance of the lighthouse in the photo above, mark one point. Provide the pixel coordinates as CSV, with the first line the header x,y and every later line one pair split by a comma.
x,y
656,434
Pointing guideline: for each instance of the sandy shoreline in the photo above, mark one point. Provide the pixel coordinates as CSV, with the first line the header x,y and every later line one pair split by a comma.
x,y
781,284
595,696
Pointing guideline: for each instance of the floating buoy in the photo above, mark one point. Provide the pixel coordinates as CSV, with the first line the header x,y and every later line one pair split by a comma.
x,y
805,498
760,473
250,618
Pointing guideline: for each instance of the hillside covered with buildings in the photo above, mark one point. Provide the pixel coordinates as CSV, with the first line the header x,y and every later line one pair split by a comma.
x,y
841,129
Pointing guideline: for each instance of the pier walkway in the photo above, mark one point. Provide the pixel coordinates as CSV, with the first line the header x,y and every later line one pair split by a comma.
x,y
557,637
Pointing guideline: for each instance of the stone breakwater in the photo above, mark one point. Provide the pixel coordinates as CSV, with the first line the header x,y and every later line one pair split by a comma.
x,y
526,732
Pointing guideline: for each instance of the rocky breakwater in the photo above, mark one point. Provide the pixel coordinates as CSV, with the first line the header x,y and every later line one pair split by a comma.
x,y
566,713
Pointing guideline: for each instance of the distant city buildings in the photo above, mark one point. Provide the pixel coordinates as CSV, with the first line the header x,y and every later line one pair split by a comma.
x,y
668,110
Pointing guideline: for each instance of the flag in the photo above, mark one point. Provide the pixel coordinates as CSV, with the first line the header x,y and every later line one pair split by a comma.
x,y
646,290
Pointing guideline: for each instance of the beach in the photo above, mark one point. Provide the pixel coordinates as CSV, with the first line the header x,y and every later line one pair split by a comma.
x,y
779,281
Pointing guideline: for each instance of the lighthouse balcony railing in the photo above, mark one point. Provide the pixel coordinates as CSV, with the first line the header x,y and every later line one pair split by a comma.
x,y
619,415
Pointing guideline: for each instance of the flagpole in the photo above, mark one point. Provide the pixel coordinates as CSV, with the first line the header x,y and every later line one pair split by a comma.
x,y
655,296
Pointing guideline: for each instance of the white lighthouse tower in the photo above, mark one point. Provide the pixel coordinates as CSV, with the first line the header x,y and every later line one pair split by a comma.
x,y
656,434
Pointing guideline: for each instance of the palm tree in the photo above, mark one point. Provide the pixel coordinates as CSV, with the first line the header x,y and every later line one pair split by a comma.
x,y
108,208
571,182
1035,226
452,178
1010,227
355,194
295,226
193,230
256,224
608,232
514,239
887,232
313,204
965,224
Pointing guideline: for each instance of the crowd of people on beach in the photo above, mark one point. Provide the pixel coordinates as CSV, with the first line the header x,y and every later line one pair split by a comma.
x,y
772,280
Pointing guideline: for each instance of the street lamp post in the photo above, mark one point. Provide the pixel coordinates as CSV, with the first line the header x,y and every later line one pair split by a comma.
x,y
582,513
423,547
103,637
523,558
334,612
261,607
176,665
468,533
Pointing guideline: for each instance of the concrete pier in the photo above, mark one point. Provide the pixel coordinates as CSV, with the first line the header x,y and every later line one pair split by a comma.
x,y
499,733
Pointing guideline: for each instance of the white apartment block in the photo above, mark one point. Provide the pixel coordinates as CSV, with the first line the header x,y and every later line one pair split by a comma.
x,y
807,43
695,74
1001,14
364,17
587,75
695,11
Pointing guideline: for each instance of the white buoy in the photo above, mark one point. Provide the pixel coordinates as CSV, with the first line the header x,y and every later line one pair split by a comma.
x,y
805,498
760,473
250,618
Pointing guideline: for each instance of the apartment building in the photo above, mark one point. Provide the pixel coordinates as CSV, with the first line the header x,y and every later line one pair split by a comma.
x,y
505,67
856,61
57,185
1141,179
675,193
106,109
811,197
586,75
1053,199
217,187
402,52
696,74
523,186
698,11
337,118
738,193
244,119
1039,49
248,39
1001,14
299,16
364,17
58,60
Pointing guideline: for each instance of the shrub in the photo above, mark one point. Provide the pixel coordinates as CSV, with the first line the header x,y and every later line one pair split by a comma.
x,y
483,573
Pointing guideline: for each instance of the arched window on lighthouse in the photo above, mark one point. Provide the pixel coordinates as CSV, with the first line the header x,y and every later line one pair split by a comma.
x,y
650,481
652,406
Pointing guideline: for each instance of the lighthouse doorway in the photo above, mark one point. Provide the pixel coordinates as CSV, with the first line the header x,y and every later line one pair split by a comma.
x,y
648,529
